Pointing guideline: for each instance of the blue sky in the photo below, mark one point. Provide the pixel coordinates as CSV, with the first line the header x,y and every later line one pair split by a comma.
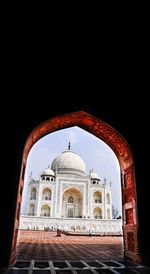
x,y
94,152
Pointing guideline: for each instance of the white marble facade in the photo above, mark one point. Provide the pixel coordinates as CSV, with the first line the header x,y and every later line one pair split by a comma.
x,y
65,195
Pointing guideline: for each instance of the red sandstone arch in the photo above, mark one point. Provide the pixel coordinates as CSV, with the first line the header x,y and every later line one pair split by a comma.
x,y
122,150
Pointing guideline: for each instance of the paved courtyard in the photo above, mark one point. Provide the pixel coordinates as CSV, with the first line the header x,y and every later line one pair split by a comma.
x,y
41,245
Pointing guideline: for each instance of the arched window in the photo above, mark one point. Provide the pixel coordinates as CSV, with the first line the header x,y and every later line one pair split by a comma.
x,y
108,198
47,179
32,210
97,197
45,210
97,213
46,194
33,194
108,213
70,212
70,199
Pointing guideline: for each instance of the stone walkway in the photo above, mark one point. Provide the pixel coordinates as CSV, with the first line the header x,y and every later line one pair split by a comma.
x,y
40,245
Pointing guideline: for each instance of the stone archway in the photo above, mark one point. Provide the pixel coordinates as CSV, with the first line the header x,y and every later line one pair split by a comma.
x,y
32,209
97,197
97,213
46,194
122,150
33,194
72,203
45,210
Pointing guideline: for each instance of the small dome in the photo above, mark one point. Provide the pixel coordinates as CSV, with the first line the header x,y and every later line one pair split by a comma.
x,y
48,172
94,175
68,161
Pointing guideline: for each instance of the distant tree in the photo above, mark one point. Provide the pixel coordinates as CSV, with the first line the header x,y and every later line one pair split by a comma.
x,y
115,212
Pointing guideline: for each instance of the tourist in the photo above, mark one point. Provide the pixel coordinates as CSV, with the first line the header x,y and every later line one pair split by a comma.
x,y
58,232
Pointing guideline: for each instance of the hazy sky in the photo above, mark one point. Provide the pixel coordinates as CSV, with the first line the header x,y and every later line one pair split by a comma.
x,y
94,152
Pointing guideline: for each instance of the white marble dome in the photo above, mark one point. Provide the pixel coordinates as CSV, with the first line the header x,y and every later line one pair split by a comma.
x,y
48,172
68,161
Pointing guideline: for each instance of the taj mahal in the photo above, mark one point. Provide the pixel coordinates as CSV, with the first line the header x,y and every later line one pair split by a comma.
x,y
67,198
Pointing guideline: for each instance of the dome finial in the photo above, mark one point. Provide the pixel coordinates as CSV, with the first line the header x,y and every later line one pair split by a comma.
x,y
69,145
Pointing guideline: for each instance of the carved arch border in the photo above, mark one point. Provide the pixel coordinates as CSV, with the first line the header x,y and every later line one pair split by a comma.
x,y
72,188
123,152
